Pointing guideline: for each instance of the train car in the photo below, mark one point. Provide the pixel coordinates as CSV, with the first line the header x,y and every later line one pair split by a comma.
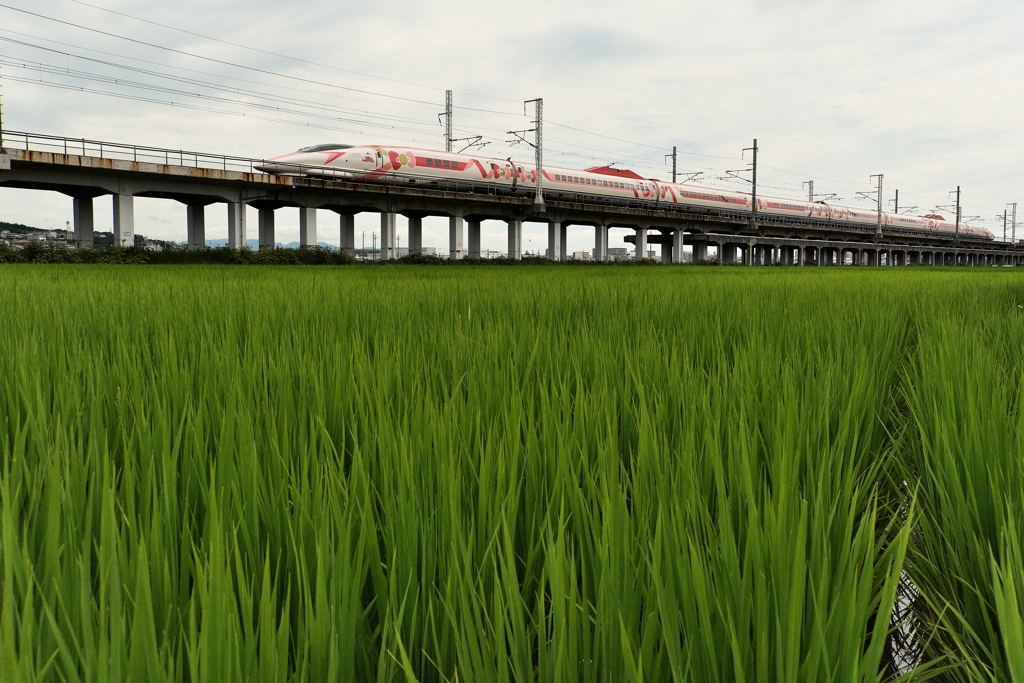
x,y
368,163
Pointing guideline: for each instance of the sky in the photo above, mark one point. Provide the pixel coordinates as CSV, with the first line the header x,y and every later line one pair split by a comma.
x,y
926,93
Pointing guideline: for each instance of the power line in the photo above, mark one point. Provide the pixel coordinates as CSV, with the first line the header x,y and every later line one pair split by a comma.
x,y
190,81
319,93
183,79
179,105
211,59
278,54
212,98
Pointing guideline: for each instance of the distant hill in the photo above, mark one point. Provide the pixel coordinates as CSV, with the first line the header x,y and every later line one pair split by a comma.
x,y
22,229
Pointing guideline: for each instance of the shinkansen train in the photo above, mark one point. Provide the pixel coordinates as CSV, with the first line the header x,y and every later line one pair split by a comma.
x,y
426,167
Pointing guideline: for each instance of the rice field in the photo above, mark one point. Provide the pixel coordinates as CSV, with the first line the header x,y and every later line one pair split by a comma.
x,y
233,473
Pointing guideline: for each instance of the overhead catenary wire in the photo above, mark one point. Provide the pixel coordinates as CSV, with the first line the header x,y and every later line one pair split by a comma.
x,y
224,100
223,62
58,70
283,56
180,105
319,93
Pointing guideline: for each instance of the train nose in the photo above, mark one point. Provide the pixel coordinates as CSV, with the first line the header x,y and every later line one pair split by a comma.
x,y
285,165
273,167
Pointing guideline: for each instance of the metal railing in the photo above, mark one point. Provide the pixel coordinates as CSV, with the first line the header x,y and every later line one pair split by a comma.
x,y
55,144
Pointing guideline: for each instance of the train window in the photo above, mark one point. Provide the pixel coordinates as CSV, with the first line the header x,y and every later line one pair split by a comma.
x,y
430,162
446,164
455,165
575,179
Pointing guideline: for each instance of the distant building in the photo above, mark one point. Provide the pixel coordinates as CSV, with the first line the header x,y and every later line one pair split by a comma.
x,y
582,256
374,254
619,254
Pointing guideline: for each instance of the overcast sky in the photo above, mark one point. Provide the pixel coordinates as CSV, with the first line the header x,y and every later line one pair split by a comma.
x,y
928,93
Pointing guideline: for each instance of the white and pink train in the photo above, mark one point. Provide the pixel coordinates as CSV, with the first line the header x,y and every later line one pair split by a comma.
x,y
426,167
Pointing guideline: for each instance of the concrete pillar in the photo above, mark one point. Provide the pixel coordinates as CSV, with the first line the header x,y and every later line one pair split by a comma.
x,y
554,240
474,238
388,230
307,227
236,225
456,231
700,251
82,209
266,229
124,220
601,243
641,243
348,233
416,235
195,218
563,243
677,247
800,256
515,239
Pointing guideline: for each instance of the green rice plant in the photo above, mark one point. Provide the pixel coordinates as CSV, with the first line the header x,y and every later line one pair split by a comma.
x,y
473,474
964,461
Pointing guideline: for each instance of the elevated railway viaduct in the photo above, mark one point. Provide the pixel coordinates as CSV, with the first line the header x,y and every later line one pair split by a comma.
x,y
86,170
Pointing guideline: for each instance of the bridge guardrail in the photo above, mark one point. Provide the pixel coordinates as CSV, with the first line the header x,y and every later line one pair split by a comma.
x,y
36,142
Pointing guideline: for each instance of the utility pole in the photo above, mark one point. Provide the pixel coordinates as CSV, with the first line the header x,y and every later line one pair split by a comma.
x,y
447,120
1,116
957,212
878,191
753,203
896,205
1013,223
1004,225
673,155
538,127
810,190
